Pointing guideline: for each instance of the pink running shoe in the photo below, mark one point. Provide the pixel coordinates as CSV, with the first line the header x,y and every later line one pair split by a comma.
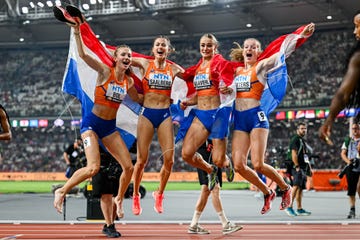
x,y
158,207
286,199
268,201
136,208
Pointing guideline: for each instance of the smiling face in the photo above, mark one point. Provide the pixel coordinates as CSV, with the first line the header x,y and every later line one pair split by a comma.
x,y
252,50
208,46
123,57
357,26
161,48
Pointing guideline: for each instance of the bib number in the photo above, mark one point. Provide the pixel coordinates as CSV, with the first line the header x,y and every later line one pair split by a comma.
x,y
262,117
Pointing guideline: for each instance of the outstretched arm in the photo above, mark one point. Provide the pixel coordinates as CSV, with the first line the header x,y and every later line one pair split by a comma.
x,y
342,95
285,44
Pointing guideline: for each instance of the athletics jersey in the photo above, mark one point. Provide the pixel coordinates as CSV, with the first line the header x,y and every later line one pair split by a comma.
x,y
158,80
112,92
247,84
203,82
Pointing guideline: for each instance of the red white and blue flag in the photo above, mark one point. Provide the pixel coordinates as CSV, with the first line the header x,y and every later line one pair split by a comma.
x,y
80,80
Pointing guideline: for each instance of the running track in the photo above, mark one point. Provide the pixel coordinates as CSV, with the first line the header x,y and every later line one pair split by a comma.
x,y
178,231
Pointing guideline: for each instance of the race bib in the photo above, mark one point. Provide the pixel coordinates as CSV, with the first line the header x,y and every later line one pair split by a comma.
x,y
115,93
202,81
242,83
160,81
262,116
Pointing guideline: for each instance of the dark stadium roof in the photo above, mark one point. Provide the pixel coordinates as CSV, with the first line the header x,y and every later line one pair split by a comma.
x,y
187,18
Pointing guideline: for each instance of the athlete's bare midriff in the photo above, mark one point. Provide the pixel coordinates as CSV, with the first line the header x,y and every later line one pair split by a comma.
x,y
157,101
208,102
243,104
104,112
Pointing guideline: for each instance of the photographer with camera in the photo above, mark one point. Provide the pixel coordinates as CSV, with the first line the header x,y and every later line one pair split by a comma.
x,y
105,186
73,155
300,168
350,154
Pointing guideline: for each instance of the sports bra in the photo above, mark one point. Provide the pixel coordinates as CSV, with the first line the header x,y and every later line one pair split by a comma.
x,y
247,84
203,82
112,92
158,80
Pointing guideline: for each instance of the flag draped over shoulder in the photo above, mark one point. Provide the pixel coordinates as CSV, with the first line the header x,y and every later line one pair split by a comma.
x,y
80,80
277,77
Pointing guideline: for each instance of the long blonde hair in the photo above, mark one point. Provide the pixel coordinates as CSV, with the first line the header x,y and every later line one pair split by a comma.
x,y
236,53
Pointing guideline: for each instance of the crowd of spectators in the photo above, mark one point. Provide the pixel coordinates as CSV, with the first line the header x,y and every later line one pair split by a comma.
x,y
31,81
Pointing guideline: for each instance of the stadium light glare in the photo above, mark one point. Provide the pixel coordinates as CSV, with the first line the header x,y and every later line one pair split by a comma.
x,y
25,10
248,25
328,17
58,3
86,6
49,3
93,2
151,2
40,4
21,39
32,5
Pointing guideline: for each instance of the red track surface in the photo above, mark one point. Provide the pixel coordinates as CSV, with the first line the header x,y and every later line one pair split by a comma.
x,y
176,231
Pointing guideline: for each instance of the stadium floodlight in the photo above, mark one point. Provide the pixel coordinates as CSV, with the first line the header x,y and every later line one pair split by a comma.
x,y
49,3
92,2
86,6
40,4
25,10
151,2
32,5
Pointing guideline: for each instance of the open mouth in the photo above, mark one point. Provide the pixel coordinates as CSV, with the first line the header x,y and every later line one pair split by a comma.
x,y
160,52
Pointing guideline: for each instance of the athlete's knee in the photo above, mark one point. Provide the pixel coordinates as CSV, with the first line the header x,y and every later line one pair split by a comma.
x,y
258,166
140,165
216,191
140,162
240,166
92,169
129,168
219,160
188,157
